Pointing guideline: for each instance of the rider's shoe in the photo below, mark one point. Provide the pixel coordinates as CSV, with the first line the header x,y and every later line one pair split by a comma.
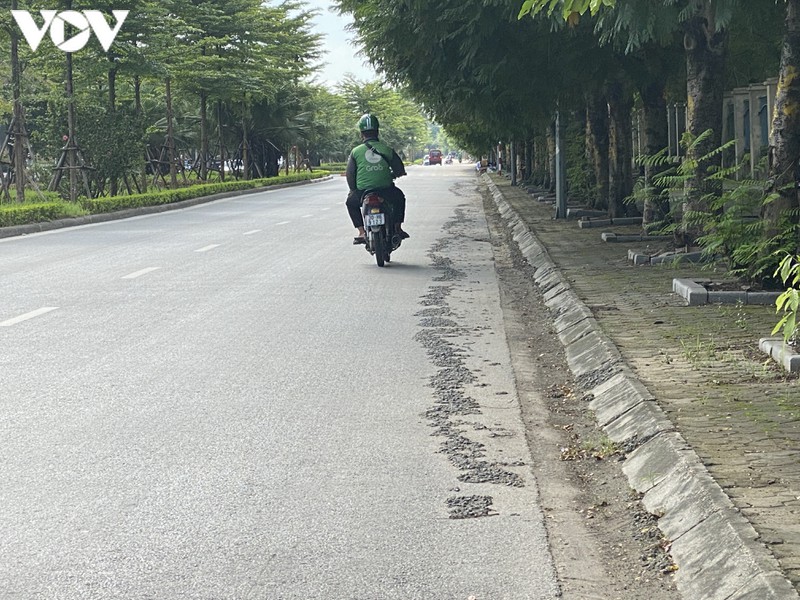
x,y
403,235
359,240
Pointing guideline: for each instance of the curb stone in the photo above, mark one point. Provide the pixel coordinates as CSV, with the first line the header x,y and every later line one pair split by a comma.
x,y
781,353
716,549
17,230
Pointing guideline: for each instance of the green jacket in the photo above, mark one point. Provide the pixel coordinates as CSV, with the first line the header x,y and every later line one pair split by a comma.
x,y
368,170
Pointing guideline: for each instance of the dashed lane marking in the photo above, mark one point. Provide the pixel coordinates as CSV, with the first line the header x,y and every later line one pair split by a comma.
x,y
283,223
207,248
140,272
252,232
31,315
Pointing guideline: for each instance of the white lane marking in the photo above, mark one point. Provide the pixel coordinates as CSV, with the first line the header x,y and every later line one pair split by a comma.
x,y
327,208
283,223
26,316
141,272
252,232
207,248
306,216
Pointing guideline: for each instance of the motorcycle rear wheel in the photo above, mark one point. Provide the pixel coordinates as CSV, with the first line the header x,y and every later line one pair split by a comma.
x,y
378,246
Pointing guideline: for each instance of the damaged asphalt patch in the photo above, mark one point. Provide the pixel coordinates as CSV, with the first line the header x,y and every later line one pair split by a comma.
x,y
446,341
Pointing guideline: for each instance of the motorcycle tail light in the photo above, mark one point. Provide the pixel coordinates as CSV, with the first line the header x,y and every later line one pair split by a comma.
x,y
374,200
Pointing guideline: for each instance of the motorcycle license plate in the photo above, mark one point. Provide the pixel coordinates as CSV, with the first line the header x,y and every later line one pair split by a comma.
x,y
374,220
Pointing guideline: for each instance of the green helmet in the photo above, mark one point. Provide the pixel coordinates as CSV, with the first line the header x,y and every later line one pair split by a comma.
x,y
368,122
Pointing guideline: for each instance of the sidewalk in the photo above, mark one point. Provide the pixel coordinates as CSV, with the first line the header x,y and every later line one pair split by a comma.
x,y
686,391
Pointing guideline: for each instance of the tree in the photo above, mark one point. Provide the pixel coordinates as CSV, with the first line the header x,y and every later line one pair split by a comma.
x,y
780,214
448,57
402,124
704,26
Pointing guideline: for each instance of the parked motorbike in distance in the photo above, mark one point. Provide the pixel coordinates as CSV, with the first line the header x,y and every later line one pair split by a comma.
x,y
379,226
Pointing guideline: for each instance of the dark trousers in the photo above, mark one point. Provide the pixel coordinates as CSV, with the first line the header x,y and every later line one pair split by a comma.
x,y
394,195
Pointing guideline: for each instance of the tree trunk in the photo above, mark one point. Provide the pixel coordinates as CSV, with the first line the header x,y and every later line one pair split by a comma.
x,y
112,106
656,138
71,142
137,89
706,52
784,146
221,142
112,89
550,182
597,145
528,164
20,134
620,151
203,136
173,174
245,145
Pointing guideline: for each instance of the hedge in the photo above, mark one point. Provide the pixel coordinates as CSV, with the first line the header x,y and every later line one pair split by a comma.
x,y
37,212
335,167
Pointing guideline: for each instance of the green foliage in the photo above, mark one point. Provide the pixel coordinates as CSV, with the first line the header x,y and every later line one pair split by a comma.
x,y
568,7
114,203
461,62
37,212
335,167
113,141
239,53
580,174
731,225
402,122
789,301
32,196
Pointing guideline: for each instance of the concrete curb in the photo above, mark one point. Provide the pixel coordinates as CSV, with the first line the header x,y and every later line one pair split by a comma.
x,y
716,549
696,294
781,353
16,230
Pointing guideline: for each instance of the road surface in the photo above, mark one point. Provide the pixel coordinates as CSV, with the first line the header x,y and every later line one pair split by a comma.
x,y
232,401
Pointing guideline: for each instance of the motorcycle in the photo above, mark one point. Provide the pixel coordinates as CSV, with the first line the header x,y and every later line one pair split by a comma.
x,y
381,239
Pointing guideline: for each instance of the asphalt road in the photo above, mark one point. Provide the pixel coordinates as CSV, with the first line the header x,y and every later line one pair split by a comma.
x,y
232,401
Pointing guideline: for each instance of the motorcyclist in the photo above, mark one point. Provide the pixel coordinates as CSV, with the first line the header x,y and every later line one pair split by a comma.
x,y
373,166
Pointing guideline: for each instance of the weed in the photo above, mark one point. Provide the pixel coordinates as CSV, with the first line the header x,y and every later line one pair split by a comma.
x,y
697,351
600,446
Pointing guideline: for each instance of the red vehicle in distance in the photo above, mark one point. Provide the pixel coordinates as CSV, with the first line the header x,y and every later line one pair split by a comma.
x,y
435,157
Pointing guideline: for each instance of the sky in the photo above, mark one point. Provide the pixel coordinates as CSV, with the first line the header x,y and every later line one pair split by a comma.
x,y
339,52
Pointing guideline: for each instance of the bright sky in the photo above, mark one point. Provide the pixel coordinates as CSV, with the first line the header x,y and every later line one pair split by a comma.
x,y
339,52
